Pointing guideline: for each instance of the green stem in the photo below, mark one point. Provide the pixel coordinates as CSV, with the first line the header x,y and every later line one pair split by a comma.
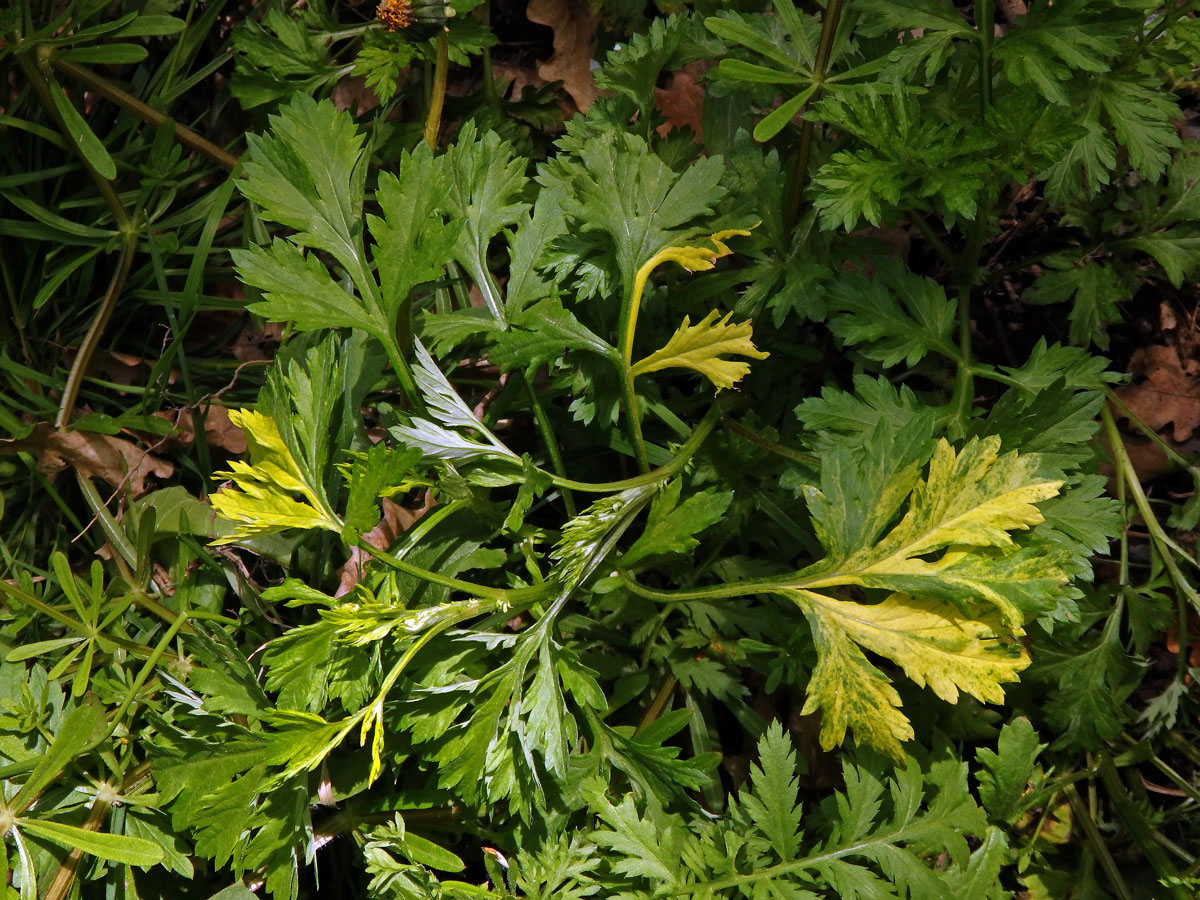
x,y
661,698
124,260
964,381
433,121
1170,452
940,246
504,596
146,113
1163,544
400,365
547,432
766,443
91,340
629,397
985,22
1085,820
829,26
489,81
662,473
1118,795
146,669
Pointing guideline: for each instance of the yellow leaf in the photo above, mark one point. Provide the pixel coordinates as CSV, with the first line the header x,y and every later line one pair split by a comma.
x,y
931,641
700,347
694,259
262,500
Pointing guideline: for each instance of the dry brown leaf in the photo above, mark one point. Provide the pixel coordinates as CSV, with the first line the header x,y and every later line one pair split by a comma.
x,y
116,460
352,93
1168,392
682,102
574,26
396,520
218,430
518,77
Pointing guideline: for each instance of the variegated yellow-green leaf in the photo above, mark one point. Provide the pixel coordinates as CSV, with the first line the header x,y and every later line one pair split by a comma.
x,y
931,641
968,504
849,691
263,499
701,346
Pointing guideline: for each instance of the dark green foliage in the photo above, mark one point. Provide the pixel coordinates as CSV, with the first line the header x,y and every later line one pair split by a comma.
x,y
626,510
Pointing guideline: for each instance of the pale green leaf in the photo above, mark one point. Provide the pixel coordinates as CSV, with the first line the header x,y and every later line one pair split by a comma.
x,y
299,289
120,848
308,174
700,347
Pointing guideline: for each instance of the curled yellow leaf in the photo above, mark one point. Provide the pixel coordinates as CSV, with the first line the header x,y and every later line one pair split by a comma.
x,y
694,259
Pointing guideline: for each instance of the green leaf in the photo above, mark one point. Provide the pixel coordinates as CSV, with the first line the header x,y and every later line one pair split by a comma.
x,y
671,525
618,187
700,347
930,29
856,185
120,848
1094,679
544,333
778,118
104,54
1006,774
792,51
145,25
486,179
771,798
633,68
1044,45
1074,366
307,173
1056,423
83,728
1177,250
647,848
529,244
898,316
1139,114
298,288
285,55
413,243
860,413
80,133
1094,288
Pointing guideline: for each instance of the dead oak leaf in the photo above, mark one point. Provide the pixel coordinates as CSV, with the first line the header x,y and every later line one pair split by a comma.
x,y
682,101
116,460
574,26
396,520
219,431
1168,392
